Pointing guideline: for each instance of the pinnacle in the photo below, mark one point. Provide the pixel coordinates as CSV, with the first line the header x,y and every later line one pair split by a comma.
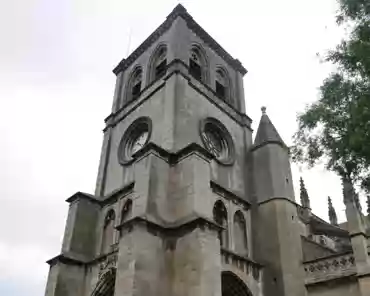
x,y
305,199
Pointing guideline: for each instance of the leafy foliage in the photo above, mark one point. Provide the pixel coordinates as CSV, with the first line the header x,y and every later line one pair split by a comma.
x,y
336,128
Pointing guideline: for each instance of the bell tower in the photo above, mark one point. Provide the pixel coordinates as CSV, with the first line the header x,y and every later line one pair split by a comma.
x,y
171,211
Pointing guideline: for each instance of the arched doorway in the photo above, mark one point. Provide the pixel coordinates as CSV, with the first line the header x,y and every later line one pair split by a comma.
x,y
105,286
232,285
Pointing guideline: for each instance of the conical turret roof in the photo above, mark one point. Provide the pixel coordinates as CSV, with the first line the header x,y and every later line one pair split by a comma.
x,y
266,132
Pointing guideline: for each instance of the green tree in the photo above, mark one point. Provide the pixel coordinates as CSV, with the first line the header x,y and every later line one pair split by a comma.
x,y
336,128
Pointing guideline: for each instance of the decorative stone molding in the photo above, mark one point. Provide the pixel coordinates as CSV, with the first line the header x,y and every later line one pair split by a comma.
x,y
329,268
109,263
244,264
176,157
170,229
105,284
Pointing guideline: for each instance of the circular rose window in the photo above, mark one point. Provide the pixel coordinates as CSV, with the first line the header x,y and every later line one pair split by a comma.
x,y
134,139
217,140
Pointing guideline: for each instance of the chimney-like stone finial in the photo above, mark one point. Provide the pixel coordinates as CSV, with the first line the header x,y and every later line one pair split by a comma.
x,y
332,214
263,109
305,199
349,194
348,190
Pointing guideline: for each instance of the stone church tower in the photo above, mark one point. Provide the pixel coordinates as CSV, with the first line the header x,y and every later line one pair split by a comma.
x,y
185,203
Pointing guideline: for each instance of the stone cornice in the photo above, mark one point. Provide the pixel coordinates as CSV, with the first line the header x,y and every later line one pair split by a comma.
x,y
81,195
118,193
180,11
171,229
278,198
345,276
359,233
102,201
173,158
227,194
65,259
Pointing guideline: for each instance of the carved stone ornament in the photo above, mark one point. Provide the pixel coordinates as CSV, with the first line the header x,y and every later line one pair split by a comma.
x,y
106,283
108,264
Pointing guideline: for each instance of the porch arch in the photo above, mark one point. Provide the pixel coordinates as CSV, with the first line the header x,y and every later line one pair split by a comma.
x,y
232,285
105,285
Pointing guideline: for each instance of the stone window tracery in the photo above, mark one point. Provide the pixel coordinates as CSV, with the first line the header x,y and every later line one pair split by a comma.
x,y
134,85
240,234
126,210
158,65
222,84
197,64
108,231
220,217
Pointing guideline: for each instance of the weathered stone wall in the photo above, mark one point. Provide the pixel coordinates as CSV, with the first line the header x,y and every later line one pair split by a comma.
x,y
197,264
142,266
272,173
79,236
337,288
312,250
277,245
65,280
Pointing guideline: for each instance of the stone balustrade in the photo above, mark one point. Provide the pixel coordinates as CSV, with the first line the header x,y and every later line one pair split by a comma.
x,y
244,264
334,266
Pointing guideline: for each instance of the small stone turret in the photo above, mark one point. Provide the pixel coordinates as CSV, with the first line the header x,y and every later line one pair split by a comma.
x,y
358,237
273,177
305,199
332,214
277,224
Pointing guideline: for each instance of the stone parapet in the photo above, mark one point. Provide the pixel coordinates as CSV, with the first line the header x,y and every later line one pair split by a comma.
x,y
242,263
329,268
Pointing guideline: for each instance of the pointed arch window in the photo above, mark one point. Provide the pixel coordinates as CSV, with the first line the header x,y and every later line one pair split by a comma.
x,y
134,84
197,64
222,84
240,234
158,65
126,210
220,217
108,231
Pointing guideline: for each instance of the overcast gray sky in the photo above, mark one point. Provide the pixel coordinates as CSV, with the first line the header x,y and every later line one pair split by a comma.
x,y
56,88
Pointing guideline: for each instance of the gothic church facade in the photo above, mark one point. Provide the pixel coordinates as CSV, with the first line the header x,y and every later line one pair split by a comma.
x,y
186,204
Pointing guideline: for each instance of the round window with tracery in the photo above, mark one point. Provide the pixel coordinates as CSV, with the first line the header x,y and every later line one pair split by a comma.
x,y
217,140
